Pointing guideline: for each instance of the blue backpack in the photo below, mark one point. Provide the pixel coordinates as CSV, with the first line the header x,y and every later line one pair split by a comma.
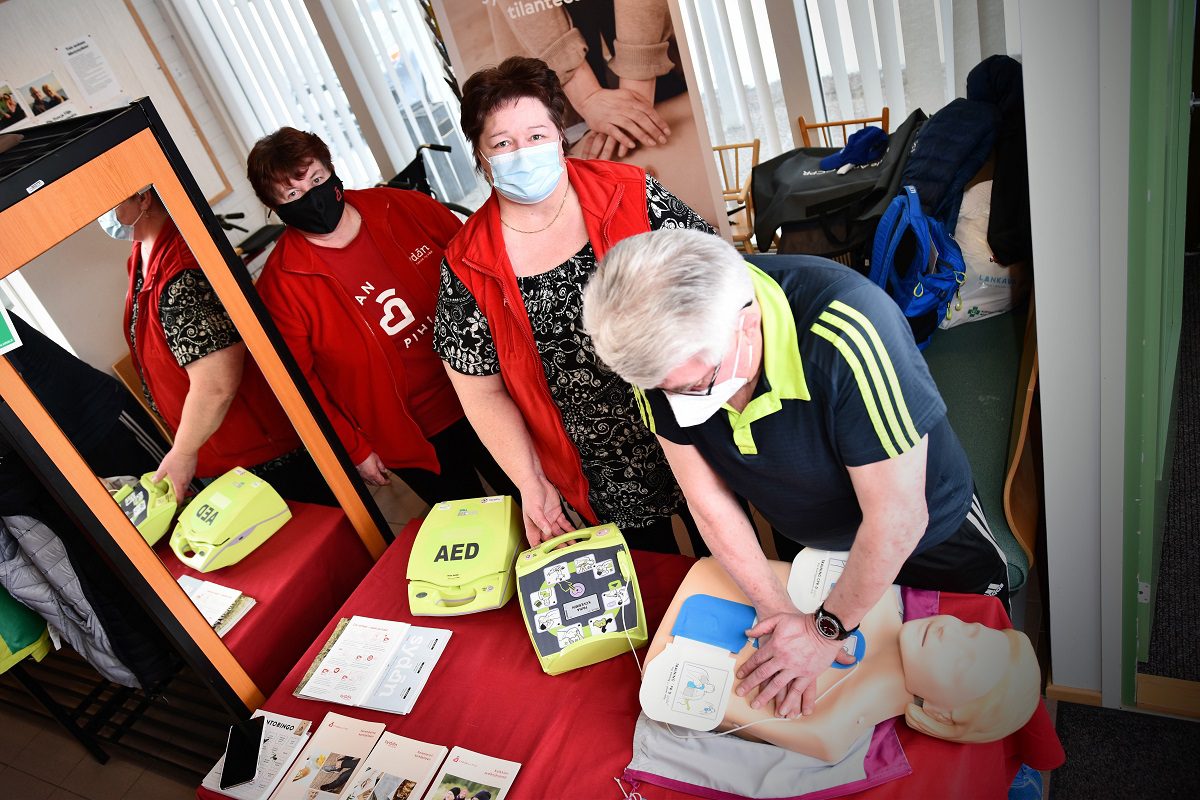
x,y
916,262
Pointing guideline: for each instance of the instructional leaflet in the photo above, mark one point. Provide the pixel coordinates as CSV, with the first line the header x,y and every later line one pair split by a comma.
x,y
374,663
332,759
221,606
282,738
472,774
397,769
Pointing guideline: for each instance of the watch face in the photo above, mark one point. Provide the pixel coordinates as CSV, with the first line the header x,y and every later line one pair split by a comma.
x,y
827,627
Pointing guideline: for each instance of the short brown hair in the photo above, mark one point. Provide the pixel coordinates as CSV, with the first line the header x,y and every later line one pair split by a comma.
x,y
516,77
281,155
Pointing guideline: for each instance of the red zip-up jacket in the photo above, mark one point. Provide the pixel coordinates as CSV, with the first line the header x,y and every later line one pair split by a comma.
x,y
613,198
355,372
255,428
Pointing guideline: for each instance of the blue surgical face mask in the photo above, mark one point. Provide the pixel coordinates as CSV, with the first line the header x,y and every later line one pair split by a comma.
x,y
528,175
115,228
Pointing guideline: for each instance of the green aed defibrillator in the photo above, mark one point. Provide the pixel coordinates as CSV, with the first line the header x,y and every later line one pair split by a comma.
x,y
225,523
150,505
462,557
580,601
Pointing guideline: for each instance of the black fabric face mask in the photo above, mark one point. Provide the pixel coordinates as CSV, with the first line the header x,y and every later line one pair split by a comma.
x,y
319,209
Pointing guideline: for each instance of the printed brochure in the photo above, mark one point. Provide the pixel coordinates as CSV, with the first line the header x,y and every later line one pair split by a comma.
x,y
374,663
473,775
332,759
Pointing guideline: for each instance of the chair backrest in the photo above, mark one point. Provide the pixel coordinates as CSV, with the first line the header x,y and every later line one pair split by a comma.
x,y
824,134
736,160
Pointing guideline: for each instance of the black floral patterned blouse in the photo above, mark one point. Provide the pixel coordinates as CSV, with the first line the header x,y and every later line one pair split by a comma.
x,y
629,480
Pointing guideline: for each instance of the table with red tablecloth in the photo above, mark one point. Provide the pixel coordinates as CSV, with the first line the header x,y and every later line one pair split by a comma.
x,y
298,578
573,733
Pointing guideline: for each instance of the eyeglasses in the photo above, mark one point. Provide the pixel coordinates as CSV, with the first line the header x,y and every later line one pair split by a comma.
x,y
708,389
712,381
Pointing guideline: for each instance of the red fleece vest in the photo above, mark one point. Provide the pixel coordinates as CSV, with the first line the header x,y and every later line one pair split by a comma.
x,y
613,198
255,428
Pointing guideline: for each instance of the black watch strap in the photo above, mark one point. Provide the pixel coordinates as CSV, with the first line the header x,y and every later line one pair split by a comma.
x,y
829,626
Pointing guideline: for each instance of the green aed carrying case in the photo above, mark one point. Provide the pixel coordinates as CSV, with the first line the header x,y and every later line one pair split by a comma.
x,y
580,602
462,557
225,523
149,505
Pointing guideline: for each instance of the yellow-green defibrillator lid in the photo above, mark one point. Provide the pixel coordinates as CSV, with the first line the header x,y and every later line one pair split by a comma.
x,y
462,557
150,506
224,523
580,602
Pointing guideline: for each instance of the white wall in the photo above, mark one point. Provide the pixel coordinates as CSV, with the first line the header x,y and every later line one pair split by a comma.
x,y
81,282
1076,62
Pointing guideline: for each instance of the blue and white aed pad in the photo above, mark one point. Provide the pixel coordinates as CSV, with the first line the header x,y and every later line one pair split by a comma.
x,y
580,601
690,682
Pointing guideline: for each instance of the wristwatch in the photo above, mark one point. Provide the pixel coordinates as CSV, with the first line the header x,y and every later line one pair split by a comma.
x,y
829,626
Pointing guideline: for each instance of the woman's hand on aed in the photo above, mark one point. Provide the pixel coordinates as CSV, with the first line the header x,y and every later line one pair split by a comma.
x,y
373,470
178,466
542,511
787,663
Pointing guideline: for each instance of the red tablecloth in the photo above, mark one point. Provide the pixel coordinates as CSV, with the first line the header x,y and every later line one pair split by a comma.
x,y
299,577
573,733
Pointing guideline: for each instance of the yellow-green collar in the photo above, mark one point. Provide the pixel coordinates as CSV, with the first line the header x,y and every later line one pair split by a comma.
x,y
780,358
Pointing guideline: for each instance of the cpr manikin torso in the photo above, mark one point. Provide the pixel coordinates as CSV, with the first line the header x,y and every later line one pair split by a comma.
x,y
959,669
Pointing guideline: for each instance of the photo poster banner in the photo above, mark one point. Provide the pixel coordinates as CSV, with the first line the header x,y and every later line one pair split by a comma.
x,y
482,34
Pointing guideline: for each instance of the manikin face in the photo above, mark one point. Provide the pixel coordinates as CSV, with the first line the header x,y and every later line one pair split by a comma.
x,y
949,663
523,123
298,184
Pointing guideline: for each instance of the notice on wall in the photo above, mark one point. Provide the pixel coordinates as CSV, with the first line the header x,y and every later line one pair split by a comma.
x,y
92,73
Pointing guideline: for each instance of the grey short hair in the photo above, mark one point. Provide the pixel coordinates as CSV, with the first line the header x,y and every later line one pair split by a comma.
x,y
659,298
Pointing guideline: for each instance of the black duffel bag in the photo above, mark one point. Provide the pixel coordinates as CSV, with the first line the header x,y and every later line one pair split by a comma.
x,y
820,212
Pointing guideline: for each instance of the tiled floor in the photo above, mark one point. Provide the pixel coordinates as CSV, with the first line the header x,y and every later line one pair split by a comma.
x,y
38,761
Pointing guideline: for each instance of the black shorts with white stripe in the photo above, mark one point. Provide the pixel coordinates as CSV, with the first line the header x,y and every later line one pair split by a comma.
x,y
969,561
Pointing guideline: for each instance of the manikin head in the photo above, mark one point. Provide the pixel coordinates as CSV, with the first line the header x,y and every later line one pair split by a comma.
x,y
973,683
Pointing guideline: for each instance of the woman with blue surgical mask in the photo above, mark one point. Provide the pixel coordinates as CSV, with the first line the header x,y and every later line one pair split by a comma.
x,y
566,430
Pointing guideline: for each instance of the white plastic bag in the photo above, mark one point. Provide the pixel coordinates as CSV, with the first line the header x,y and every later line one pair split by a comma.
x,y
989,288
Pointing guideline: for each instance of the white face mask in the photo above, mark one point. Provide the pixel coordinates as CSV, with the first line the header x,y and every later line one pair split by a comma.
x,y
115,228
694,409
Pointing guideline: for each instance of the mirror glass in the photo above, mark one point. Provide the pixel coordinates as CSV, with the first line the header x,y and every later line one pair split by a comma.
x,y
129,349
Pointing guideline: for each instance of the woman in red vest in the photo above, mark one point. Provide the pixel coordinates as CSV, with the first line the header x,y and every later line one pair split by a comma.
x,y
509,320
193,365
352,286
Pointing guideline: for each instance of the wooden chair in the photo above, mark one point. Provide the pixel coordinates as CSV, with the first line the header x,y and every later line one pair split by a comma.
x,y
825,130
734,160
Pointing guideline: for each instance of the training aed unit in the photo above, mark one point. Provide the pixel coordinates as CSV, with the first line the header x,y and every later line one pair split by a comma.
x,y
225,523
580,598
462,557
150,506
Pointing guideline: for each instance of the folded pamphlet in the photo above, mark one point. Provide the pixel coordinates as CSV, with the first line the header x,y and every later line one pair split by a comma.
x,y
334,756
473,775
374,663
221,606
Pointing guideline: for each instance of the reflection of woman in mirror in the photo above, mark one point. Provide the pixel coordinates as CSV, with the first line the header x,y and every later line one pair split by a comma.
x,y
352,285
193,365
950,679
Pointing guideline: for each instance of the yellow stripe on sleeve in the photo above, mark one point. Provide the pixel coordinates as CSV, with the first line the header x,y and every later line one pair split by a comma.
x,y
889,409
885,359
864,388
